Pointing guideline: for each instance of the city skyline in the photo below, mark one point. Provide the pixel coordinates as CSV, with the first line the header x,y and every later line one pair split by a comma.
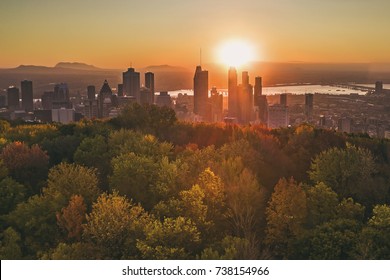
x,y
171,32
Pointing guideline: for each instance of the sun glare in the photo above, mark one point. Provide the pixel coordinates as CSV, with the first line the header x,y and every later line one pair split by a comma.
x,y
236,53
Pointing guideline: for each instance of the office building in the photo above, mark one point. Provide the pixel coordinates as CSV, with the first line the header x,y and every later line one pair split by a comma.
x,y
245,100
283,99
27,96
201,84
61,97
164,99
63,115
13,98
309,98
47,100
379,87
146,96
258,91
149,83
105,100
120,89
131,84
277,116
91,92
233,106
216,104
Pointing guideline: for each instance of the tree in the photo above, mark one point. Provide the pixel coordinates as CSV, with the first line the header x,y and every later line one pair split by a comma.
x,y
285,214
347,171
171,239
94,152
72,179
321,204
26,165
72,217
11,193
129,141
230,248
10,245
135,176
375,238
114,226
245,202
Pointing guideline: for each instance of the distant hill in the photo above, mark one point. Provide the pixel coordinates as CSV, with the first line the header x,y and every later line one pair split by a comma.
x,y
76,65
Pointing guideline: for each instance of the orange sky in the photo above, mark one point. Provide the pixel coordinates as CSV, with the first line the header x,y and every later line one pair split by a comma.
x,y
113,34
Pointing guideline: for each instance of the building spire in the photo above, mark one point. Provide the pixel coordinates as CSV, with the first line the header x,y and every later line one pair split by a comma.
x,y
200,56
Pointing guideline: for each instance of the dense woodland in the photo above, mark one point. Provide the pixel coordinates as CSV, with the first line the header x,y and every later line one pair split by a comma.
x,y
146,186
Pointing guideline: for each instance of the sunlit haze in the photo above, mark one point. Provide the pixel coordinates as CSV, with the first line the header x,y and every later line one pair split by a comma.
x,y
113,34
236,53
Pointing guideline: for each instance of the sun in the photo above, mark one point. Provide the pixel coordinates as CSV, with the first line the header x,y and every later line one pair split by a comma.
x,y
236,53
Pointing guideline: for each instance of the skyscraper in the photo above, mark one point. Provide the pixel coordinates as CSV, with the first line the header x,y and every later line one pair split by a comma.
x,y
309,97
27,96
91,92
245,100
61,97
283,99
216,103
258,91
201,85
131,84
104,100
233,106
120,89
149,83
13,98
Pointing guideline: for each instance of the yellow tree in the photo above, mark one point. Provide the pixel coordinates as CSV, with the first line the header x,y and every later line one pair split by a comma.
x,y
285,214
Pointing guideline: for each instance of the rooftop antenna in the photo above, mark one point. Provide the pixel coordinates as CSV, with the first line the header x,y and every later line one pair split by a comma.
x,y
200,56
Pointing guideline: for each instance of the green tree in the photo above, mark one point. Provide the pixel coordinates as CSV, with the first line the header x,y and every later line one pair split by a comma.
x,y
67,180
115,225
375,237
94,152
347,171
171,239
10,245
11,193
321,204
286,214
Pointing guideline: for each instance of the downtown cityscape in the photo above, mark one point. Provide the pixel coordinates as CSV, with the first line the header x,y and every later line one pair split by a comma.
x,y
203,130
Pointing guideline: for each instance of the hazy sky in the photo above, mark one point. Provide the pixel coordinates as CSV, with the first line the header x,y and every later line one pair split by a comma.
x,y
113,33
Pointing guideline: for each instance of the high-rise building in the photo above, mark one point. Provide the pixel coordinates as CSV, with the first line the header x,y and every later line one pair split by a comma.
x,y
283,99
245,100
201,85
91,91
27,96
258,91
146,96
105,100
233,106
216,103
131,84
13,98
309,98
277,116
149,83
47,100
120,89
61,97
164,99
378,87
